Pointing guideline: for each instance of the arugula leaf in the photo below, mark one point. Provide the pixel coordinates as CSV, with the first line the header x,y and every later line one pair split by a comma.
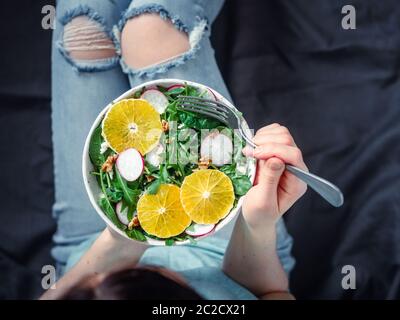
x,y
175,92
162,89
109,211
131,209
181,169
171,112
105,204
241,184
183,237
228,169
94,147
129,195
192,91
149,168
171,241
135,234
138,93
153,186
163,177
114,195
135,185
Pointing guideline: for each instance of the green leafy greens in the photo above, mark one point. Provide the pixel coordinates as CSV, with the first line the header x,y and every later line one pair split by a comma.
x,y
173,170
241,182
95,146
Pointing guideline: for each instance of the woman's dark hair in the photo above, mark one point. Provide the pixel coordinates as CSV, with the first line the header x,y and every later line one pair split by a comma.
x,y
132,284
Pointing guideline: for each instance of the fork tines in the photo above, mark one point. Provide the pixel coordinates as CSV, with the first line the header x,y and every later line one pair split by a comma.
x,y
204,106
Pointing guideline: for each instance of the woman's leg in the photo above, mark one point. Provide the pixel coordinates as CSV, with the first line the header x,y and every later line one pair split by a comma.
x,y
170,39
86,76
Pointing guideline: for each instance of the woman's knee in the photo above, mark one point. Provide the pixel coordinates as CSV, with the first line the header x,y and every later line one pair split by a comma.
x,y
148,39
85,39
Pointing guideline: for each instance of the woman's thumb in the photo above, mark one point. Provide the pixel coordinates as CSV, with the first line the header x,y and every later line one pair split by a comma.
x,y
270,174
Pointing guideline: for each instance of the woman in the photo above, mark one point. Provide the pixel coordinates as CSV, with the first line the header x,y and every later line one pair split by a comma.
x,y
101,49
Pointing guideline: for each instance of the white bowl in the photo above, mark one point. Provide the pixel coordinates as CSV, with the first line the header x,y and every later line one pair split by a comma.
x,y
93,188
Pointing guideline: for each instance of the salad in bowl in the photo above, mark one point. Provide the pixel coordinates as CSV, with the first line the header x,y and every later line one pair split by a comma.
x,y
161,175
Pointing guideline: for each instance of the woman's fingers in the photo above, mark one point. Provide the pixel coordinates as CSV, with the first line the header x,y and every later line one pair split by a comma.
x,y
273,133
265,138
275,148
289,154
276,141
273,128
268,127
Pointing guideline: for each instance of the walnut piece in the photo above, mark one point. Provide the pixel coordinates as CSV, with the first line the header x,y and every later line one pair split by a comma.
x,y
150,178
108,164
204,163
134,223
164,125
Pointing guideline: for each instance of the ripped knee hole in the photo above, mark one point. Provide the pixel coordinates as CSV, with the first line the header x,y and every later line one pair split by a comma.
x,y
148,39
85,39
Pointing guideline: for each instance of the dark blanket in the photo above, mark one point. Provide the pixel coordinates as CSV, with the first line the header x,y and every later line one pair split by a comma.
x,y
26,162
338,91
284,61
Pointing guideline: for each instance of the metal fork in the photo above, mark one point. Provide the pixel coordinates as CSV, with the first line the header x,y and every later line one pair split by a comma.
x,y
230,117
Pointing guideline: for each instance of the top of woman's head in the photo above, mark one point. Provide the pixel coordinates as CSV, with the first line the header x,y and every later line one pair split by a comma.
x,y
145,283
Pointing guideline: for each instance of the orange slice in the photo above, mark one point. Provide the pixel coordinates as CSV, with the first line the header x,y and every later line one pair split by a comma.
x,y
207,196
161,214
132,123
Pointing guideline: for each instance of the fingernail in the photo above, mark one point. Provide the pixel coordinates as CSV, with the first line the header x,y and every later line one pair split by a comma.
x,y
275,165
247,151
258,150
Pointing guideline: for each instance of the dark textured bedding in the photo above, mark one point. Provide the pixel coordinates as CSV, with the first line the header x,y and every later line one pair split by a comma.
x,y
26,162
284,61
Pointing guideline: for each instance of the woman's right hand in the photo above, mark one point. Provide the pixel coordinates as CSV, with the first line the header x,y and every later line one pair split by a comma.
x,y
275,189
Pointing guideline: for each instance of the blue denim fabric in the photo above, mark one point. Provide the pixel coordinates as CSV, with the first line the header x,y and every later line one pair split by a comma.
x,y
77,98
81,89
201,263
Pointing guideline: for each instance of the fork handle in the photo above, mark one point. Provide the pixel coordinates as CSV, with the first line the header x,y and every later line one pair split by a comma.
x,y
324,188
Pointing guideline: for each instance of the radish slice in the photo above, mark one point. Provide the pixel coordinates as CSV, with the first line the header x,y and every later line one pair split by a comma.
x,y
130,164
152,87
209,94
156,98
122,215
156,156
175,86
197,230
217,147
